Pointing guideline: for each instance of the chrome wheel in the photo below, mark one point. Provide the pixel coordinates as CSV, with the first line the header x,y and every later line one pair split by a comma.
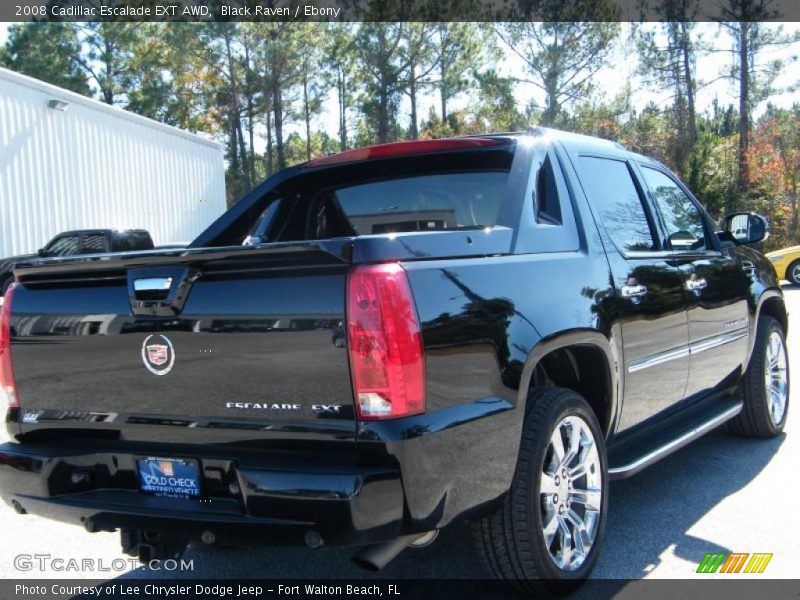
x,y
775,378
795,274
571,493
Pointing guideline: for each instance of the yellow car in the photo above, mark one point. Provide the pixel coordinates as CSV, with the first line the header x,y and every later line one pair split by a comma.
x,y
787,263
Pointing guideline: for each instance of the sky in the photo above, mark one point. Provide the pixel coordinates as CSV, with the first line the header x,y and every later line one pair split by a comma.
x,y
608,81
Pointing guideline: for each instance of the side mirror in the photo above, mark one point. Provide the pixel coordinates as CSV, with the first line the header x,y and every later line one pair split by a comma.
x,y
41,252
253,240
746,227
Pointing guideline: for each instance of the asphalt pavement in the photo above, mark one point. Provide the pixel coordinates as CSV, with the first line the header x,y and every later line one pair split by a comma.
x,y
720,494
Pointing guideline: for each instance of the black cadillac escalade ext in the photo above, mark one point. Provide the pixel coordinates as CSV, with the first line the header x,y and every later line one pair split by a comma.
x,y
375,344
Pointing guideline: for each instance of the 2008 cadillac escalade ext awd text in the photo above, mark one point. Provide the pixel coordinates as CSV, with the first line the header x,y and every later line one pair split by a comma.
x,y
375,344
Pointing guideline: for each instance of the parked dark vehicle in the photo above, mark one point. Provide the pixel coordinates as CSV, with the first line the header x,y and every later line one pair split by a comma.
x,y
483,374
85,241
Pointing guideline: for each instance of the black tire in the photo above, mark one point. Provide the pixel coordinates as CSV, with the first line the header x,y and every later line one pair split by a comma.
x,y
793,278
511,539
756,419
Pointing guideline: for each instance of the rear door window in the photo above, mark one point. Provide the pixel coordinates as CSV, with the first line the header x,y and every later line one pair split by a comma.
x,y
437,202
93,243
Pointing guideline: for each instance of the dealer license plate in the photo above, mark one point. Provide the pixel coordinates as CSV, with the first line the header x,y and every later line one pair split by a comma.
x,y
169,477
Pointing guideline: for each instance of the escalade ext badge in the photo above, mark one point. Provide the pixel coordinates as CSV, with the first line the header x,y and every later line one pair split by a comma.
x,y
262,406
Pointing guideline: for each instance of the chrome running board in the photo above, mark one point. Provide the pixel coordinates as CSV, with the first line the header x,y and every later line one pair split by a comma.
x,y
655,455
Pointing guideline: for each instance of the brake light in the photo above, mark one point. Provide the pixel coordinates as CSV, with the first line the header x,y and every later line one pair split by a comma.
x,y
385,344
8,388
396,149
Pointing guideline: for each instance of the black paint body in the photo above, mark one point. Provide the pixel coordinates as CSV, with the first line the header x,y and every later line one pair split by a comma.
x,y
264,324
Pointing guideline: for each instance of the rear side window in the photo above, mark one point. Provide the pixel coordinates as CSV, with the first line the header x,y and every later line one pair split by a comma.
x,y
93,243
259,232
610,187
435,202
130,241
548,206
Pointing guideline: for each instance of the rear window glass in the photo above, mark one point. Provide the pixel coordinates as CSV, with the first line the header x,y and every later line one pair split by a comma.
x,y
427,203
94,243
129,241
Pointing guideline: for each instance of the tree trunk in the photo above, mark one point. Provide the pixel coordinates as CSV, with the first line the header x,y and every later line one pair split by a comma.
x,y
383,93
443,90
236,116
269,162
551,102
687,74
232,152
251,162
412,94
108,92
243,153
744,103
341,82
307,112
277,111
383,116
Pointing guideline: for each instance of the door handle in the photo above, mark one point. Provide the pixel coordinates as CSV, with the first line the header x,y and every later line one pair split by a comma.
x,y
633,291
695,285
152,284
748,266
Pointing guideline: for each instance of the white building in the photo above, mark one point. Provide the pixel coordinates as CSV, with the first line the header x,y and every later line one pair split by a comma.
x,y
69,162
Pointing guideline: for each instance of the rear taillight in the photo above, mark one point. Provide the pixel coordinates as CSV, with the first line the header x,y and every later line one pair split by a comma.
x,y
8,388
384,342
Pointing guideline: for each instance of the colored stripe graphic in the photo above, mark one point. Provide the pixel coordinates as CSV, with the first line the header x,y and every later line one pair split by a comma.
x,y
714,562
758,563
711,562
734,562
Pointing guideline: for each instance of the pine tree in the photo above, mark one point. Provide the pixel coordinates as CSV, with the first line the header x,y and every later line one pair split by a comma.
x,y
46,51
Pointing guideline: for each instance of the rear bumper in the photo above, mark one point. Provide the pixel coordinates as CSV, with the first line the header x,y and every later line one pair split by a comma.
x,y
402,477
346,504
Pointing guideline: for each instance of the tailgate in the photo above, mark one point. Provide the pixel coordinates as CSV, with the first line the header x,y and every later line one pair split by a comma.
x,y
215,345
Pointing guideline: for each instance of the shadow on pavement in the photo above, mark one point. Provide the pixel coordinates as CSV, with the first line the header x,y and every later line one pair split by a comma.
x,y
652,511
649,514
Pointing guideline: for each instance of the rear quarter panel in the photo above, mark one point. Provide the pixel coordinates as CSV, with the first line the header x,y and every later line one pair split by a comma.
x,y
482,320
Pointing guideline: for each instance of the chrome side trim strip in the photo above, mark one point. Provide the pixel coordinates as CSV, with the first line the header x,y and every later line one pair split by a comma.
x,y
694,348
675,444
657,359
717,340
